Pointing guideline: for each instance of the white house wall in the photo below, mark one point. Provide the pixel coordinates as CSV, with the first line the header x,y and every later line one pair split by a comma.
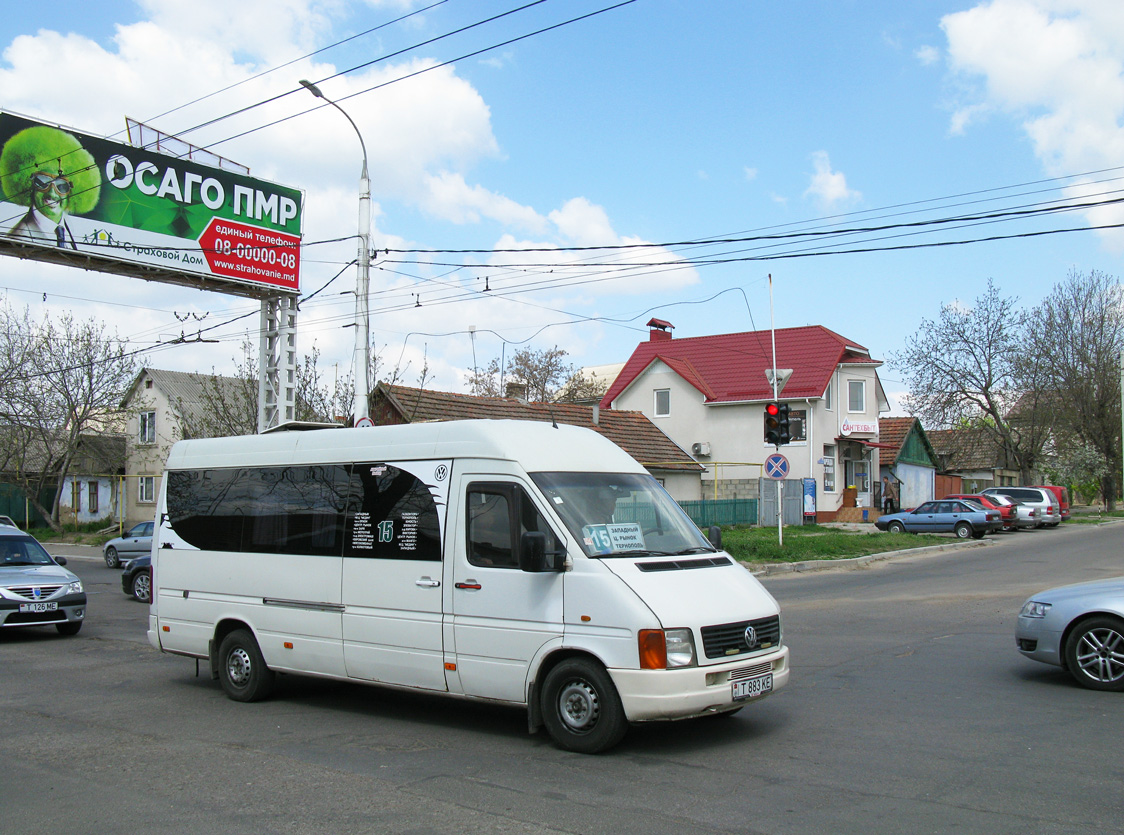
x,y
917,484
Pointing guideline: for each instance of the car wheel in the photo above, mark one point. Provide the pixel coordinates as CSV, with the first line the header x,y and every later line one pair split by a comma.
x,y
962,530
71,627
896,527
581,708
978,535
242,670
1094,653
142,587
111,558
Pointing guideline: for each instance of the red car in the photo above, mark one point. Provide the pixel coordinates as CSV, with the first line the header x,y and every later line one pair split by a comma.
x,y
1006,508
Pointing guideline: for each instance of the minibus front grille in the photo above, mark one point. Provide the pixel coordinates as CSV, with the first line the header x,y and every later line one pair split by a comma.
x,y
680,565
730,638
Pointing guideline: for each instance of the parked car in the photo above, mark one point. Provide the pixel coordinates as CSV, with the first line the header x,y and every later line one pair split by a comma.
x,y
35,589
1062,495
1039,498
1015,515
957,516
138,540
136,579
1079,628
9,521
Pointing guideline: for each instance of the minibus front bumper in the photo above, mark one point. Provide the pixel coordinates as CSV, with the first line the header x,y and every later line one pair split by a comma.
x,y
652,695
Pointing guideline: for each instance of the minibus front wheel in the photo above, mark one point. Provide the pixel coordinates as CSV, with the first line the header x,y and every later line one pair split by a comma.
x,y
242,670
581,708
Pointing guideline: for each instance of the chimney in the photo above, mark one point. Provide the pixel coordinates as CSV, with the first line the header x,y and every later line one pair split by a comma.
x,y
516,391
660,331
596,415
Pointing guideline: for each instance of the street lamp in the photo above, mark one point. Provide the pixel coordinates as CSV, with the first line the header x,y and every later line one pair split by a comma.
x,y
361,364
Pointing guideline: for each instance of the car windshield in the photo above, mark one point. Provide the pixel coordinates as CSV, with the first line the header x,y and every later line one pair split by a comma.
x,y
973,504
620,514
22,550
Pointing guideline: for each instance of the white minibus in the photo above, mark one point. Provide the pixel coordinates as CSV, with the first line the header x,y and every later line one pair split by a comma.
x,y
509,561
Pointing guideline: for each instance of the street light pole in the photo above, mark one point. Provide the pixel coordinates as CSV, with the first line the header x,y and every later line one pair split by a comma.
x,y
361,359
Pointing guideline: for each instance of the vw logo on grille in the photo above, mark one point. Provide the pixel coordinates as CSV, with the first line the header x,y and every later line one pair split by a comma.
x,y
36,592
750,637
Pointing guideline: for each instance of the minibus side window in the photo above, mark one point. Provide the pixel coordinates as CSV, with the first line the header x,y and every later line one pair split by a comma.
x,y
391,514
494,512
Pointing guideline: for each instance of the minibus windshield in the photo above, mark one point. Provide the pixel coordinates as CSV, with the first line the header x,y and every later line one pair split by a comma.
x,y
621,514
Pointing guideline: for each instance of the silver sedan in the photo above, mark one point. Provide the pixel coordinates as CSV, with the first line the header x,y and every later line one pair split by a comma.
x,y
1079,628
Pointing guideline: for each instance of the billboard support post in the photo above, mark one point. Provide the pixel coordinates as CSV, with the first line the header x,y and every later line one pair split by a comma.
x,y
361,362
278,360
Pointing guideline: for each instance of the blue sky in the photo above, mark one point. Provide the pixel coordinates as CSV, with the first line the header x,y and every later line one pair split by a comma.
x,y
657,122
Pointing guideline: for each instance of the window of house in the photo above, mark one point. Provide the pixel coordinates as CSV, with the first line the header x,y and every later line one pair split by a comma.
x,y
856,395
76,495
663,402
146,489
93,508
829,468
147,434
827,399
797,424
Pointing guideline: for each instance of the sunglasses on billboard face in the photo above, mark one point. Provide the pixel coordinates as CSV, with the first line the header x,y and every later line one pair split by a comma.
x,y
44,182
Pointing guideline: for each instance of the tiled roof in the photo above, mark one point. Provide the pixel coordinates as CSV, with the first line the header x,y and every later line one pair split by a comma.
x,y
731,367
893,431
631,431
967,449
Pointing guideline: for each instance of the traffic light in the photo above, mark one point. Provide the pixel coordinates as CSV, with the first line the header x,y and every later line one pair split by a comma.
x,y
773,424
778,429
784,426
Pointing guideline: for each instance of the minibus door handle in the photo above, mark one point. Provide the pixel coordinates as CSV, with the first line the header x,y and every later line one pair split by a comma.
x,y
427,583
468,584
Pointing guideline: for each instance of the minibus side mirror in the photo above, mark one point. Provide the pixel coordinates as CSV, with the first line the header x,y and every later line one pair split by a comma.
x,y
714,534
533,555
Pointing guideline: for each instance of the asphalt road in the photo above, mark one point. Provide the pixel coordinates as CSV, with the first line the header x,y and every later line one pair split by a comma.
x,y
908,711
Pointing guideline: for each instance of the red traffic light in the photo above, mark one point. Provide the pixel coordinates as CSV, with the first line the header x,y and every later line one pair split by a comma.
x,y
772,409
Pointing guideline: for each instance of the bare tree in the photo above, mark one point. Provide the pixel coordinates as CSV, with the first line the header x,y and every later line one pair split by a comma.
x,y
64,380
228,405
1077,335
969,369
542,372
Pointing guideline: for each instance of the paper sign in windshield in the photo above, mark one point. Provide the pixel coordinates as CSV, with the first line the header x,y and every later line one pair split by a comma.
x,y
613,538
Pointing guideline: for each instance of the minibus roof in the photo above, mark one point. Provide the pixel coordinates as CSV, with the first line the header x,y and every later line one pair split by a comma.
x,y
536,446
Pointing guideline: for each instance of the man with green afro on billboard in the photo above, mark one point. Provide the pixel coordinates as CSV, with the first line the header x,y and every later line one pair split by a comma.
x,y
48,170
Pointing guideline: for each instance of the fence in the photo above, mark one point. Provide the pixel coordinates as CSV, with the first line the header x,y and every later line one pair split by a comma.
x,y
707,512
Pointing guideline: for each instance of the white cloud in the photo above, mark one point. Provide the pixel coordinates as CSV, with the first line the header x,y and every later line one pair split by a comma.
x,y
828,188
1055,65
928,55
750,173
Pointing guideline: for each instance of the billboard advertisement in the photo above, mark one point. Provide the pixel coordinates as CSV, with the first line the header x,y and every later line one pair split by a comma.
x,y
64,194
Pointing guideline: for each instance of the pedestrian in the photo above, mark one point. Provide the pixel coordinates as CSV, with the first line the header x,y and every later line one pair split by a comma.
x,y
887,495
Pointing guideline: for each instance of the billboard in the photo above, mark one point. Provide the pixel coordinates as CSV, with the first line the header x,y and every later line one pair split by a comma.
x,y
74,198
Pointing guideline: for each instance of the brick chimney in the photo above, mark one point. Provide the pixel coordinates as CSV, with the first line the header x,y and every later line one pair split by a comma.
x,y
516,391
660,331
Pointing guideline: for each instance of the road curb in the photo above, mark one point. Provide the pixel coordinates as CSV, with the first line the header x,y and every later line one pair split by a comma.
x,y
859,562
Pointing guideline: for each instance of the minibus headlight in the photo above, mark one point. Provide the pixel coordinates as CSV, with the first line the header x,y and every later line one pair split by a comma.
x,y
680,648
663,649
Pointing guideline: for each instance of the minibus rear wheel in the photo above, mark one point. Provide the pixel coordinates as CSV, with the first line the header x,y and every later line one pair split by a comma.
x,y
581,708
242,670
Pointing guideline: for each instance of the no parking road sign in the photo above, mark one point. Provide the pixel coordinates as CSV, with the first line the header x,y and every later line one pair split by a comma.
x,y
776,466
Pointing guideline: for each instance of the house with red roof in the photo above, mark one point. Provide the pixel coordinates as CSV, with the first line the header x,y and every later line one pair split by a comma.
x,y
672,466
708,394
